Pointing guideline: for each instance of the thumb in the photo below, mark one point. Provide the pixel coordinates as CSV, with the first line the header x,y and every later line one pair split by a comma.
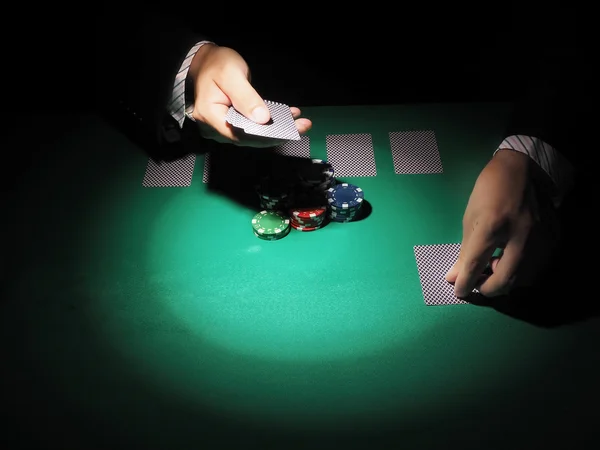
x,y
244,97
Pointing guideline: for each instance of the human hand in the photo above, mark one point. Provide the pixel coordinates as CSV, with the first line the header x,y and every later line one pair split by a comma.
x,y
221,79
504,211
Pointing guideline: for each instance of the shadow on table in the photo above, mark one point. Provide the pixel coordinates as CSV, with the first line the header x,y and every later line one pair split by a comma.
x,y
365,211
234,172
557,299
542,308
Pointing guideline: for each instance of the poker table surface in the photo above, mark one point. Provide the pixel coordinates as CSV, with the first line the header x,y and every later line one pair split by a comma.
x,y
153,318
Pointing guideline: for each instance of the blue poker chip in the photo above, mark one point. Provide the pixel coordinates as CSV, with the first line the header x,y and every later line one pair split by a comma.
x,y
338,220
345,196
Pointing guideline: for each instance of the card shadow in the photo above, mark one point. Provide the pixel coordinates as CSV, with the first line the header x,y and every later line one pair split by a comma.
x,y
554,301
541,308
235,172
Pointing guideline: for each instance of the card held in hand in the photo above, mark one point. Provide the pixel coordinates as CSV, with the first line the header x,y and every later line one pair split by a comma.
x,y
281,126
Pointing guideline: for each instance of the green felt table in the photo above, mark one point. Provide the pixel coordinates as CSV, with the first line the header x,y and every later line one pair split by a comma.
x,y
154,318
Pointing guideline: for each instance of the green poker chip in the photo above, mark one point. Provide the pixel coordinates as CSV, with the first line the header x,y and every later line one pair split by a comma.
x,y
274,237
270,224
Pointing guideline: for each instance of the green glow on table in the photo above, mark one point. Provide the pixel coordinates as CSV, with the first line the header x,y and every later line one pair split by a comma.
x,y
318,327
158,313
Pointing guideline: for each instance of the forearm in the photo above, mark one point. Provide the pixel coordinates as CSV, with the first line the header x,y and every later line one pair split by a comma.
x,y
557,169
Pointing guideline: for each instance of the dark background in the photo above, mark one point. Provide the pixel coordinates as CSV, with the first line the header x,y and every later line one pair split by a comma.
x,y
307,54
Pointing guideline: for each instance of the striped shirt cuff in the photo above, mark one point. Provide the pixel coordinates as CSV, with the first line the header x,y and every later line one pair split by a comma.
x,y
559,170
176,105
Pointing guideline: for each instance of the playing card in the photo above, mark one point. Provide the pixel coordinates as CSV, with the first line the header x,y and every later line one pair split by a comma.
x,y
351,155
236,118
176,173
415,152
206,172
281,125
297,149
433,262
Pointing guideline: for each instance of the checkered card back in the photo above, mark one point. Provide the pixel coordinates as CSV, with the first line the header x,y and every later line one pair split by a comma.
x,y
176,173
282,124
433,262
206,171
235,118
297,149
415,152
351,155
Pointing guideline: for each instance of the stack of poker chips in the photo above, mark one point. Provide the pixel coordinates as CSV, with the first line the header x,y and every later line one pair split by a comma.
x,y
308,203
273,195
309,210
344,202
308,218
270,225
318,177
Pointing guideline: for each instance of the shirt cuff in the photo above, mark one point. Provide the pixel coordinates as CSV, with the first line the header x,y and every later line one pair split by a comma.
x,y
559,170
177,103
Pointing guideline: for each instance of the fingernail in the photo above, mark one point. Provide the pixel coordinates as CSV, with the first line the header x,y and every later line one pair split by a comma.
x,y
260,114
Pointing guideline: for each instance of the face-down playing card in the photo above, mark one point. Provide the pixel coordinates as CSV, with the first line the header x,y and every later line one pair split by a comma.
x,y
294,149
351,155
281,126
177,173
415,152
433,262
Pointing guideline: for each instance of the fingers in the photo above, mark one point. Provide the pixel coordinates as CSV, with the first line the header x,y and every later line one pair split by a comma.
x,y
501,280
508,266
214,121
466,274
474,256
235,85
303,125
452,274
215,127
494,263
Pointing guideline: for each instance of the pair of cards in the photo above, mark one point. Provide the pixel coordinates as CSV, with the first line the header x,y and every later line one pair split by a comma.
x,y
281,126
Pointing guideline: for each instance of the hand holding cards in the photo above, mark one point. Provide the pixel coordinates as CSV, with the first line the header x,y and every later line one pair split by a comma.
x,y
282,125
220,79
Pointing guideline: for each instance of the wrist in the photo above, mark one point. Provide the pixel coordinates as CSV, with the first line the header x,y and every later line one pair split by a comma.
x,y
513,158
518,162
197,60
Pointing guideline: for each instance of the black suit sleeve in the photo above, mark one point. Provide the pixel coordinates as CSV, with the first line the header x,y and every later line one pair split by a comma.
x,y
553,56
556,108
137,59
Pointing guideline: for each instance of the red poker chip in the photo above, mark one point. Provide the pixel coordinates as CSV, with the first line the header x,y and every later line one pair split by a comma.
x,y
302,227
306,222
308,213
